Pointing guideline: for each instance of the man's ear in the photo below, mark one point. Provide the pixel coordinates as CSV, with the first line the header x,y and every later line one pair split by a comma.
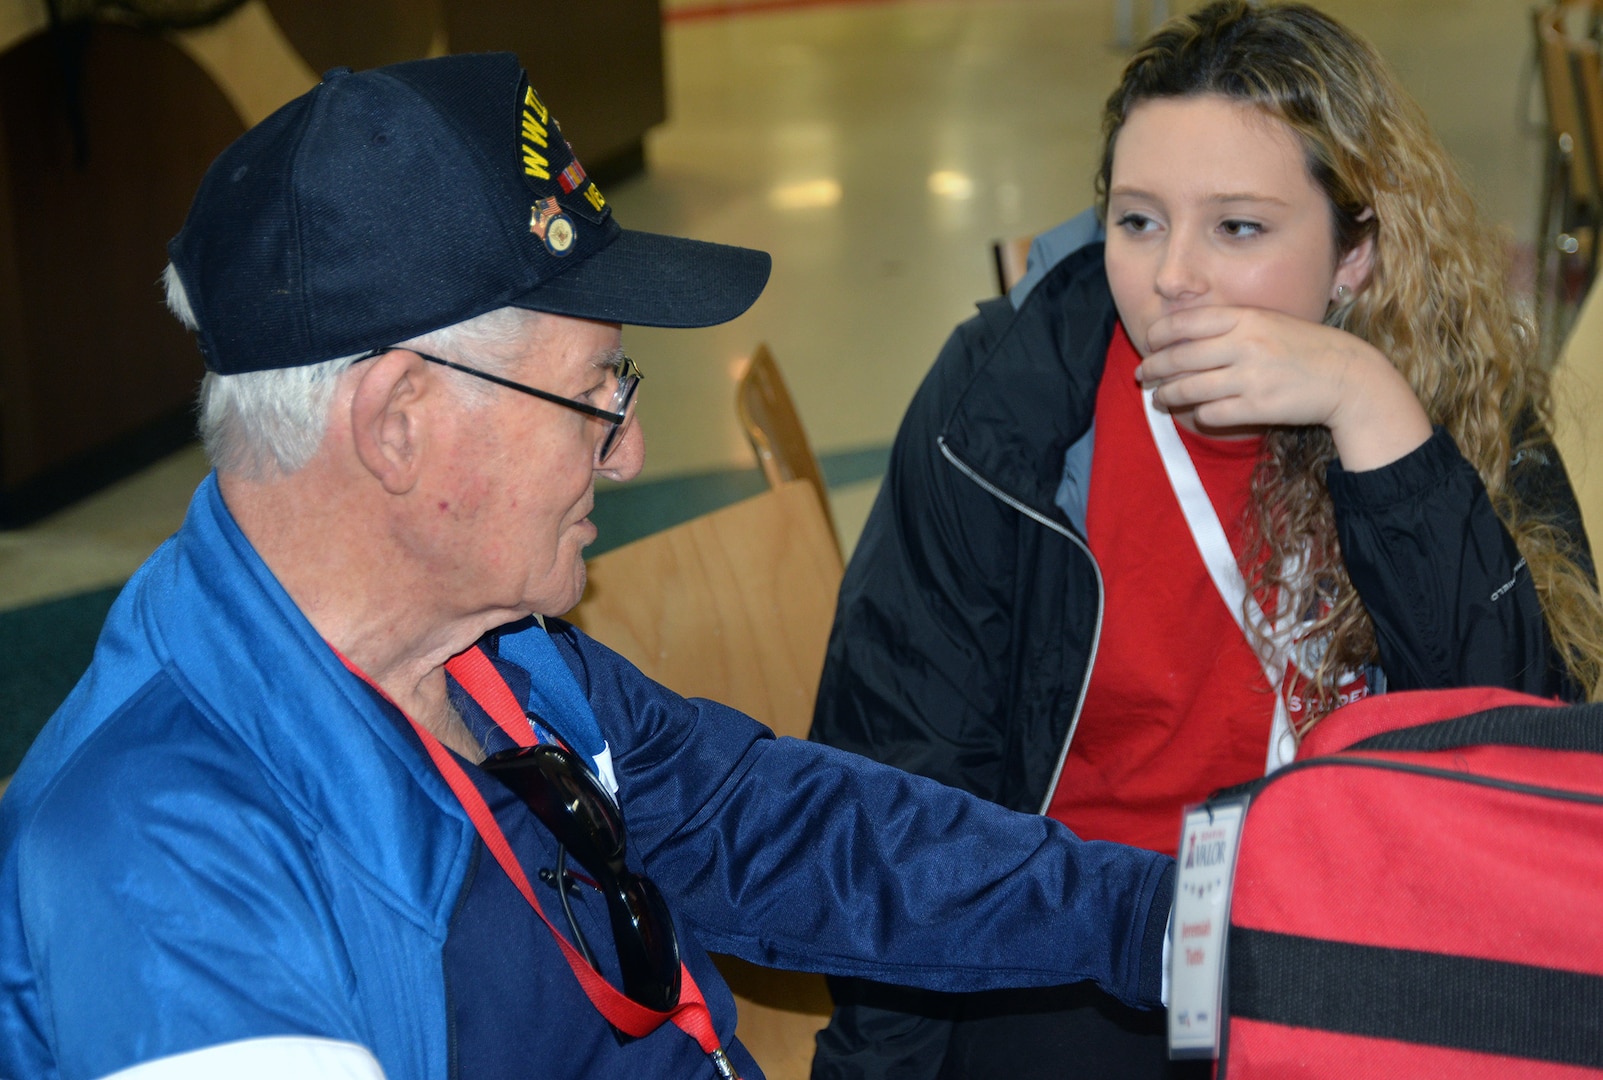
x,y
388,418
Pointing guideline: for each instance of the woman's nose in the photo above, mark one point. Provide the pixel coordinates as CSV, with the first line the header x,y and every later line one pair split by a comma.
x,y
1180,272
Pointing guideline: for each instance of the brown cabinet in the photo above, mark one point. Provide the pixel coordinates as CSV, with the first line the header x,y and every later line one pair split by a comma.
x,y
96,379
597,65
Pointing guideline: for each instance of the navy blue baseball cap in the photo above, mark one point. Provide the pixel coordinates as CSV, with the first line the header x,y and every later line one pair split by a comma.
x,y
381,205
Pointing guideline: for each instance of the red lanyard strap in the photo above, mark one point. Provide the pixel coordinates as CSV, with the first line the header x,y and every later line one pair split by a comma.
x,y
630,1017
474,672
691,1015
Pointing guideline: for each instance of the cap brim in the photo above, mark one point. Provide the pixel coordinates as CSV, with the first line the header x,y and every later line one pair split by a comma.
x,y
645,279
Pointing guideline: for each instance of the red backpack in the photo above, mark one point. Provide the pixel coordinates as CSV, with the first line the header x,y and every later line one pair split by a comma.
x,y
1420,894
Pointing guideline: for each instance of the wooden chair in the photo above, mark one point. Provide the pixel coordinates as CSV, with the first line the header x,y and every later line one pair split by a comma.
x,y
1011,258
735,606
1572,188
1586,68
775,430
1578,413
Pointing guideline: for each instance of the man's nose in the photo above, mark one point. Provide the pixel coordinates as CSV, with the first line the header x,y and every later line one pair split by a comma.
x,y
627,458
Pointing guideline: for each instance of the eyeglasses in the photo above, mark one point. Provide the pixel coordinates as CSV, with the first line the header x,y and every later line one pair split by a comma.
x,y
617,415
570,802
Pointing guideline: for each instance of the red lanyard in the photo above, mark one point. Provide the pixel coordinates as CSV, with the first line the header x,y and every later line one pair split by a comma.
x,y
477,675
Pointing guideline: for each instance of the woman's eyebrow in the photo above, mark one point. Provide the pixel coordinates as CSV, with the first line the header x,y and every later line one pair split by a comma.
x,y
1247,196
1125,191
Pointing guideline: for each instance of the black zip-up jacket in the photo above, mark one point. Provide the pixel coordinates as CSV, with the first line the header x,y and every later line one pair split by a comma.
x,y
969,616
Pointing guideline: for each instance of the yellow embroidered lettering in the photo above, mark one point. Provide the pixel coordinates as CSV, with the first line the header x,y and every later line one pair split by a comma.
x,y
593,193
535,165
532,102
532,131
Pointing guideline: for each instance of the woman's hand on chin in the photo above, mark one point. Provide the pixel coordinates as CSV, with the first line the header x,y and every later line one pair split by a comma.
x,y
1241,367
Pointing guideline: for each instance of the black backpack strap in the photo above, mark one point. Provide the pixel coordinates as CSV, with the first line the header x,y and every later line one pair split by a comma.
x,y
1567,727
1483,1006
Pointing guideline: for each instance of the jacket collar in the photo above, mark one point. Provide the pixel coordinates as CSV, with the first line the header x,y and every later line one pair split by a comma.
x,y
1033,392
251,663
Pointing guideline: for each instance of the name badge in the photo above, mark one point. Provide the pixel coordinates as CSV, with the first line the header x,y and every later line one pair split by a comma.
x,y
1205,871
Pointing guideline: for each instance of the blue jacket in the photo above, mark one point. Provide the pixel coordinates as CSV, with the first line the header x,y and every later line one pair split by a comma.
x,y
223,835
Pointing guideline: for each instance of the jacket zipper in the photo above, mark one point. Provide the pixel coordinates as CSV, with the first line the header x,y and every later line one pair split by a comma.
x,y
450,998
1096,636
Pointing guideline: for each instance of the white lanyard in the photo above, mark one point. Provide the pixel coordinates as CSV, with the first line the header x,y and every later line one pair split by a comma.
x,y
1214,548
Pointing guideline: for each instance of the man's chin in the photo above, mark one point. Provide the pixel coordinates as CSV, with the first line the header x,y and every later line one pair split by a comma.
x,y
558,605
560,593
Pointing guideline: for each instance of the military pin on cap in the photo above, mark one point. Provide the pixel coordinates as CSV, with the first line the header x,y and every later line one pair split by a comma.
x,y
549,223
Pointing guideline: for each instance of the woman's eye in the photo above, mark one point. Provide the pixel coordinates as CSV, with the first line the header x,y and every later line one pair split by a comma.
x,y
1136,223
1240,228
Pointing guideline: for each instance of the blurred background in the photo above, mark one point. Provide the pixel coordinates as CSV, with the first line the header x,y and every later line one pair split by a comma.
x,y
876,147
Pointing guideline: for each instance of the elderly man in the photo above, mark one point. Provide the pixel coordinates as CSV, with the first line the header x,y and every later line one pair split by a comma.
x,y
332,800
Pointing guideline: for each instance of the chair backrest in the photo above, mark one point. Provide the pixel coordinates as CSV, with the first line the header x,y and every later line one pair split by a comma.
x,y
1571,218
775,430
1011,258
1586,66
1578,414
1560,94
735,606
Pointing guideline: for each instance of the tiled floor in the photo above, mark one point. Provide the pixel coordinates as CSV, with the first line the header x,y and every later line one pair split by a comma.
x,y
875,148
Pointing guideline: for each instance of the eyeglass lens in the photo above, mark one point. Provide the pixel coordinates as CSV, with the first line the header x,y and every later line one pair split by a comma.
x,y
622,402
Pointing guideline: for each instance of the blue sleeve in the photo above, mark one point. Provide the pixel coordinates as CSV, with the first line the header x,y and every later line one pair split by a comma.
x,y
793,854
170,901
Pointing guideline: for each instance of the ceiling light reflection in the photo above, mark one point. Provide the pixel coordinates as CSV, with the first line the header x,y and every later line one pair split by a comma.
x,y
805,195
951,184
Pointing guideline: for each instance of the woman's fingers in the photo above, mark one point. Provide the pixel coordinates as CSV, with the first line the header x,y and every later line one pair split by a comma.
x,y
1192,323
1270,367
1249,367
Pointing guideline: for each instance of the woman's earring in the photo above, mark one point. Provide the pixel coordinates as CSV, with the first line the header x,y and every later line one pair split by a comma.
x,y
1341,294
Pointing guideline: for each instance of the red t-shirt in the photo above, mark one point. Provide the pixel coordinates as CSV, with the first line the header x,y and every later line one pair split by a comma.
x,y
1178,704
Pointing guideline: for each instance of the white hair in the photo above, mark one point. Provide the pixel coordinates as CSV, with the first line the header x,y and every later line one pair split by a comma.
x,y
261,423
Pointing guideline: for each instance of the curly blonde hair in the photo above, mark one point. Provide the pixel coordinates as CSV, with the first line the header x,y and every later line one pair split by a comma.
x,y
1436,304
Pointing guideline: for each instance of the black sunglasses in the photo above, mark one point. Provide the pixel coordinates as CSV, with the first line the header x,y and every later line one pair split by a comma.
x,y
557,788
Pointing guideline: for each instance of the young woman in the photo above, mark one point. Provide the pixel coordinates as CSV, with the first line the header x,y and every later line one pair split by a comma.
x,y
1277,444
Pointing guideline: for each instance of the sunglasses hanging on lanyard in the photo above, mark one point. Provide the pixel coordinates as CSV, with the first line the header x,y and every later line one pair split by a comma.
x,y
562,793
